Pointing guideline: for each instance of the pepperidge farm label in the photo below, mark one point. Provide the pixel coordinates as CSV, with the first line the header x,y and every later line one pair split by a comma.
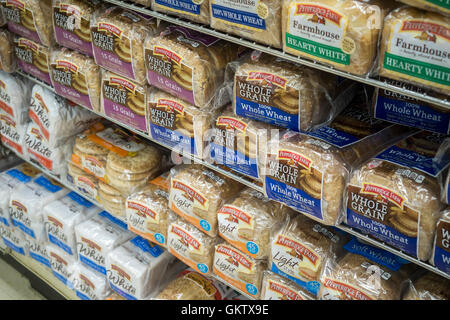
x,y
319,31
296,261
293,180
336,290
184,198
234,267
246,14
186,247
32,58
418,50
276,290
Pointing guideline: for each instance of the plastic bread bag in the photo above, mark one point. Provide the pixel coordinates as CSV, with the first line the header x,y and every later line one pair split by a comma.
x,y
14,97
124,100
257,20
238,269
76,77
57,118
177,123
445,188
188,64
405,110
33,58
2,15
428,286
364,273
197,193
37,250
440,256
111,199
197,11
240,143
288,95
117,38
191,285
343,34
147,210
89,284
436,6
26,203
275,287
11,179
13,136
299,249
95,238
136,268
8,61
84,183
62,264
61,217
395,197
51,159
309,171
117,157
71,23
30,19
14,239
190,245
247,220
414,48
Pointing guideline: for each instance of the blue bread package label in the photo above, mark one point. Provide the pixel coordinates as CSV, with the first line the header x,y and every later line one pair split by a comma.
x,y
441,257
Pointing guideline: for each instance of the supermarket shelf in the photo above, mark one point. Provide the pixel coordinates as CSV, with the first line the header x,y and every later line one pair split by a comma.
x,y
278,53
44,274
252,184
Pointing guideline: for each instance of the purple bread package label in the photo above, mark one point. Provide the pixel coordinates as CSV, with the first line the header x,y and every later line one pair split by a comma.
x,y
124,101
20,19
32,58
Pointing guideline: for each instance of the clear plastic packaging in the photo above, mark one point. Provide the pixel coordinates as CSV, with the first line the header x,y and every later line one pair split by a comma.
x,y
117,38
197,193
343,34
239,143
96,237
11,179
8,61
89,284
188,64
190,245
396,198
445,188
247,220
309,171
71,23
57,118
111,199
414,48
255,20
61,217
428,286
275,287
62,264
365,272
13,135
145,3
26,203
197,11
124,100
238,269
191,285
306,244
136,269
40,153
83,182
76,77
440,256
14,239
177,123
37,250
31,19
33,58
147,210
14,97
431,5
269,89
